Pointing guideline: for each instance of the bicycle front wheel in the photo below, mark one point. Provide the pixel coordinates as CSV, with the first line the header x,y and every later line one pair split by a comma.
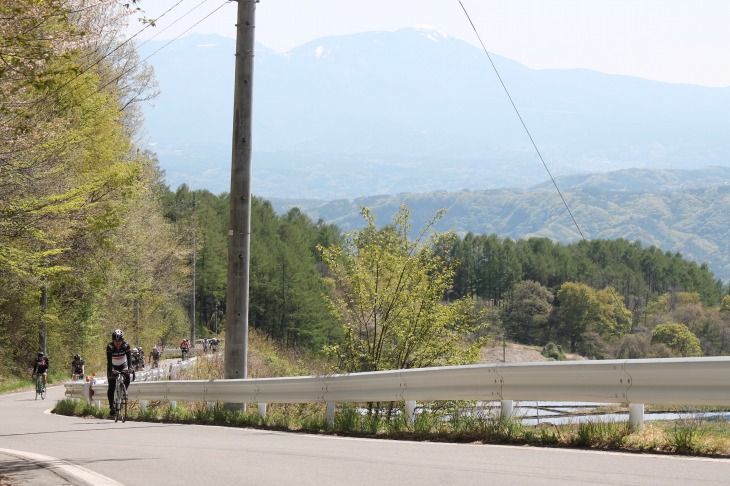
x,y
117,400
123,408
43,391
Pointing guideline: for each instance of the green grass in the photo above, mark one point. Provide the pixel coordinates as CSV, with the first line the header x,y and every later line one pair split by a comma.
x,y
10,384
456,423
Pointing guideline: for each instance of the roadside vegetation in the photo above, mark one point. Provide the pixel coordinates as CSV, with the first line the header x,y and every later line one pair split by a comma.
x,y
454,421
443,422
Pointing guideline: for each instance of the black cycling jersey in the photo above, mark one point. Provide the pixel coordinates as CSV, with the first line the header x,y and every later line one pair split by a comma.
x,y
118,358
41,365
78,367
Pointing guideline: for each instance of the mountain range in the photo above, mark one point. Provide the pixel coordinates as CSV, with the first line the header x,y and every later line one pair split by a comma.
x,y
416,117
683,211
416,111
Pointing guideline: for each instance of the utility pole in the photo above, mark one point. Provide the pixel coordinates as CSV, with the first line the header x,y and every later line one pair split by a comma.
x,y
44,306
239,233
195,249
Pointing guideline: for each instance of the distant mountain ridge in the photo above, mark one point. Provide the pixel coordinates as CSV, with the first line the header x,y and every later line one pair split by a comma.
x,y
415,111
682,211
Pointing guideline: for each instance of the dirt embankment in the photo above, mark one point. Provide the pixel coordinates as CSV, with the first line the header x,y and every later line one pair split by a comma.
x,y
515,353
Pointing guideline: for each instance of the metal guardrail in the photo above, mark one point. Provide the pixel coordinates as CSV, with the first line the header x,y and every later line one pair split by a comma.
x,y
674,381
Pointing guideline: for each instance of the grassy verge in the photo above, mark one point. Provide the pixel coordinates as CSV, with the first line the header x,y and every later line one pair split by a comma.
x,y
446,424
15,383
443,421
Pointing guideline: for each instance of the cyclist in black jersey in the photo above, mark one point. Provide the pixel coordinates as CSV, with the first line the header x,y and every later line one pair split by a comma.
x,y
41,366
118,358
77,368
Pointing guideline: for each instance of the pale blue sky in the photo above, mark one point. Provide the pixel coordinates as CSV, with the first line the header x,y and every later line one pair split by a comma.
x,y
679,41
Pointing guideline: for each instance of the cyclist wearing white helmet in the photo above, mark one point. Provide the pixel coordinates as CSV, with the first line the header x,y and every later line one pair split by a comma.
x,y
118,359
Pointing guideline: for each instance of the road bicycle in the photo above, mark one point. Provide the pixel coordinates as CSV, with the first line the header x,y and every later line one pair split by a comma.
x,y
120,398
40,387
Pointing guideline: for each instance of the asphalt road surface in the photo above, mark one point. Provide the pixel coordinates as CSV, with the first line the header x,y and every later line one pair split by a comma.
x,y
37,447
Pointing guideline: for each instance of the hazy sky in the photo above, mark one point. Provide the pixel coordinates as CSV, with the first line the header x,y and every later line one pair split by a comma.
x,y
680,41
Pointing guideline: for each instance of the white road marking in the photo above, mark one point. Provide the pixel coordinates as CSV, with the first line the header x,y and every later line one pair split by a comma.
x,y
64,468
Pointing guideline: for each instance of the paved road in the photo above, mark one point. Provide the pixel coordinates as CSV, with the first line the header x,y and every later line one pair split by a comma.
x,y
72,451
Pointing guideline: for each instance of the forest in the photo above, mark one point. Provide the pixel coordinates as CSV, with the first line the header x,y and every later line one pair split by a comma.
x,y
92,239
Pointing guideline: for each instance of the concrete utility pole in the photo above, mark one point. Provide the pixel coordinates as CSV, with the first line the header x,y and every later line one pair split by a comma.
x,y
239,233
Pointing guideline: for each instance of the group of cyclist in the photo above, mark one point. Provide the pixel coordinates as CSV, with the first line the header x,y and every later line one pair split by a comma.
x,y
42,363
121,360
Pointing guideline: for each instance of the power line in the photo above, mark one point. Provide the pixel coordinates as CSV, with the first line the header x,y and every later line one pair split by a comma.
x,y
537,150
173,23
88,68
522,121
167,44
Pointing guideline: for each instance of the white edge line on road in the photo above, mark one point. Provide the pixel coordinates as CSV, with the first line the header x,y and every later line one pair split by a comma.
x,y
60,466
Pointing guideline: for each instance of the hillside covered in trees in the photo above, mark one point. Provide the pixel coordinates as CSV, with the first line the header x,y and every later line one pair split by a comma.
x,y
91,239
678,210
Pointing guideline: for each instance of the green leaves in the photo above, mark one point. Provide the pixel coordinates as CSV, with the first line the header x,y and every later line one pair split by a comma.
x,y
387,291
678,338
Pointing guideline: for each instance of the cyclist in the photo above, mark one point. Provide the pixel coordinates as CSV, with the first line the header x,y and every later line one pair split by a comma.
x,y
77,368
40,366
155,353
185,347
118,359
136,360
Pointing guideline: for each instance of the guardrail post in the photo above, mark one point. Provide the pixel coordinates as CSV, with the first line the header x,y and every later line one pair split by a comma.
x,y
211,405
173,403
329,414
97,403
506,409
410,411
636,415
87,396
262,410
143,405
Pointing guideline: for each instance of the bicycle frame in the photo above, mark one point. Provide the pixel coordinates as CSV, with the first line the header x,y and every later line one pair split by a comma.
x,y
120,398
40,387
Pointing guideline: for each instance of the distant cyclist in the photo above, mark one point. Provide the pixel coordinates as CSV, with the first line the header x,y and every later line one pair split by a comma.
x,y
77,368
155,353
118,359
136,360
40,366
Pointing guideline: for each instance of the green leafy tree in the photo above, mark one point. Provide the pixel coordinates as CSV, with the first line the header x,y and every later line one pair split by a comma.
x,y
72,184
526,312
614,319
678,338
578,308
387,291
590,319
725,306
